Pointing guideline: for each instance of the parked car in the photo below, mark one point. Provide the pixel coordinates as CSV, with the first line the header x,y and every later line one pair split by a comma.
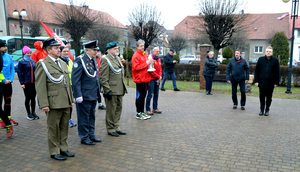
x,y
253,61
220,59
295,63
187,59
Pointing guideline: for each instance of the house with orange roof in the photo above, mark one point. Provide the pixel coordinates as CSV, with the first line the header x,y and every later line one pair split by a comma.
x,y
260,30
43,10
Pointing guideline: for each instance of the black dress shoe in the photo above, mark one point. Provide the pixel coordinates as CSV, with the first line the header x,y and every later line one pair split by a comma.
x,y
67,153
96,140
87,142
261,113
162,89
114,134
121,132
176,89
102,107
267,113
58,157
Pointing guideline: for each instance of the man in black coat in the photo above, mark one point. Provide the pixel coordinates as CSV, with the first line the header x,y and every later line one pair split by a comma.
x,y
170,62
238,69
266,77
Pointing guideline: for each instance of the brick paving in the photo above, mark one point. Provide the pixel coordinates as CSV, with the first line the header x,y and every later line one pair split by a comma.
x,y
195,132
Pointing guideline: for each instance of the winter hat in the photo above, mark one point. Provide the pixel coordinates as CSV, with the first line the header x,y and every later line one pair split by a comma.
x,y
26,49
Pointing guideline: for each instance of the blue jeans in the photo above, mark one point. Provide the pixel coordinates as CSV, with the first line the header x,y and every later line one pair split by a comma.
x,y
153,90
172,74
208,82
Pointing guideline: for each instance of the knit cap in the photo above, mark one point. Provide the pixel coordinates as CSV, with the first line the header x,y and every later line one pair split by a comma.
x,y
26,49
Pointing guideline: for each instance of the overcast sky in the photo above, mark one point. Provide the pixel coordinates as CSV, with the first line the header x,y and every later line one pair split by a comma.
x,y
173,12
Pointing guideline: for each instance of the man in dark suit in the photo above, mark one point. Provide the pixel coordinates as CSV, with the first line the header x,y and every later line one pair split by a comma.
x,y
86,90
266,77
112,81
54,92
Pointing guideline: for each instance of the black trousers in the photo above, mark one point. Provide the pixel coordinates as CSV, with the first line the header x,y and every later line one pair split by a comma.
x,y
234,85
265,97
141,93
7,93
30,94
3,115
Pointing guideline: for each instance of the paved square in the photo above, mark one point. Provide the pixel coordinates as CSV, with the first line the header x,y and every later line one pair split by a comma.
x,y
195,132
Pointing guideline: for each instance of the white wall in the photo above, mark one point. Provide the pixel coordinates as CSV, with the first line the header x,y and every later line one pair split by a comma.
x,y
3,24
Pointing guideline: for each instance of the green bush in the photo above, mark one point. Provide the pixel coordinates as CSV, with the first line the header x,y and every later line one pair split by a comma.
x,y
228,53
128,53
225,62
177,58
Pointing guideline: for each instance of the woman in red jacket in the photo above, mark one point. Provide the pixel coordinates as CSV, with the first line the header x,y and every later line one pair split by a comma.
x,y
39,53
141,77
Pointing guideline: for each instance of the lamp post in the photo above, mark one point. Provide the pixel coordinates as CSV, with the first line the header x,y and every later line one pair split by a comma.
x,y
163,37
294,14
16,14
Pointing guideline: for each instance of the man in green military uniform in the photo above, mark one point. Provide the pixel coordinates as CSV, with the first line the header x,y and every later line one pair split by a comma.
x,y
54,92
112,81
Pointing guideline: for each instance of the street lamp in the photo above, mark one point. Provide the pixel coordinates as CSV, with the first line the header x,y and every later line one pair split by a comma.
x,y
16,14
294,14
163,37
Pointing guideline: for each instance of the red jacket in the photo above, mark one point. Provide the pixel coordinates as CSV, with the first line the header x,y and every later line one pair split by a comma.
x,y
98,63
140,67
39,53
157,66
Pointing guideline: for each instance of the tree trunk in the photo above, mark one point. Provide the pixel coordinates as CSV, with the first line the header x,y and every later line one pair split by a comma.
x,y
77,47
216,53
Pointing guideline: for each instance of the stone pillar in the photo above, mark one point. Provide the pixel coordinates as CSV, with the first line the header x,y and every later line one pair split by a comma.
x,y
203,52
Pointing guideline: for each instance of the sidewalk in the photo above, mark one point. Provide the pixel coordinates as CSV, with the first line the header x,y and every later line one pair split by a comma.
x,y
195,132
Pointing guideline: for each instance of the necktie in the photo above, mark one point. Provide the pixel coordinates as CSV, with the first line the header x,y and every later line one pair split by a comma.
x,y
57,62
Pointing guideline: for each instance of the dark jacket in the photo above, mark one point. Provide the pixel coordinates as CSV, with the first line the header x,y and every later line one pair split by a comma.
x,y
169,65
267,72
237,69
26,71
83,85
210,67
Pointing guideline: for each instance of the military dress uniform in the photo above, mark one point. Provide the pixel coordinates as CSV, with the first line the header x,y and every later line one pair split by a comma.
x,y
54,91
112,80
85,83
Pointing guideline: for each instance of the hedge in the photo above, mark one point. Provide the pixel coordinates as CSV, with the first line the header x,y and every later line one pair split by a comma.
x,y
190,72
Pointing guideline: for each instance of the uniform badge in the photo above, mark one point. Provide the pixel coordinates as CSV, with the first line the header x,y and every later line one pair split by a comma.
x,y
75,65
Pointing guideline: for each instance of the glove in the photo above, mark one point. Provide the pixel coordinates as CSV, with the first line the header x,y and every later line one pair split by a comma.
x,y
79,100
108,95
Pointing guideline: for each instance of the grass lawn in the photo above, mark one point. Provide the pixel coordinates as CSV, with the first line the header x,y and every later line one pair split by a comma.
x,y
224,88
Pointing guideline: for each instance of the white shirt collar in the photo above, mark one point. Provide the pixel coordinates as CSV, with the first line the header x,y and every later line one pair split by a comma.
x,y
89,56
112,56
52,58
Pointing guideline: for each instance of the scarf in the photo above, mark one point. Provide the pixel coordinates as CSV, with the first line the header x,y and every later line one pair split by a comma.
x,y
27,58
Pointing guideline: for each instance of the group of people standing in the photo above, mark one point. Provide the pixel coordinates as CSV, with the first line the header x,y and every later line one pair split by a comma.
x,y
266,77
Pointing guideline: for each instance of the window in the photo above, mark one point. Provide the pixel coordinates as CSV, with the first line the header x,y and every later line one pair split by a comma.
x,y
258,49
298,33
26,30
59,32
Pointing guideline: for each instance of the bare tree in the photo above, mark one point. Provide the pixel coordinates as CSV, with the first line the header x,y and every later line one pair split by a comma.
x,y
104,34
145,23
77,19
34,17
220,20
177,42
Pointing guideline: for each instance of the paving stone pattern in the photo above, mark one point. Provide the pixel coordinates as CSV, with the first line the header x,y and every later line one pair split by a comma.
x,y
195,132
